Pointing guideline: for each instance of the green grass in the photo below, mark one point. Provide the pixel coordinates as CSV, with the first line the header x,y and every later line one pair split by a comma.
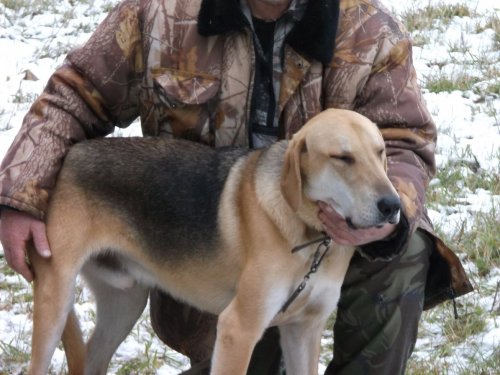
x,y
492,22
471,323
12,353
433,15
30,7
34,7
459,177
440,82
477,364
480,242
477,241
438,16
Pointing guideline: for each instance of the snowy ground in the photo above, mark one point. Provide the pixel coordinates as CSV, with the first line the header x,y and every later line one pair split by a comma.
x,y
469,131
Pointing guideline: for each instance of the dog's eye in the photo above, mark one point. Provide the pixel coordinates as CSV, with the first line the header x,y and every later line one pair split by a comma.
x,y
343,158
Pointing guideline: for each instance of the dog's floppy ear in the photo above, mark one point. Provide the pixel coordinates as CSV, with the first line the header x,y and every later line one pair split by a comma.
x,y
291,181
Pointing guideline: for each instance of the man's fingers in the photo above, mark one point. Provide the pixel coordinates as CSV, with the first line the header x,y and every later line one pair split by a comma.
x,y
40,240
15,259
16,229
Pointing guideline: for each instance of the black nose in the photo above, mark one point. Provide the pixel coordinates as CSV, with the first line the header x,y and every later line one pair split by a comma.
x,y
389,206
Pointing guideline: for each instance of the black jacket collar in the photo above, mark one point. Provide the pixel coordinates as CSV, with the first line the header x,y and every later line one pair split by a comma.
x,y
313,36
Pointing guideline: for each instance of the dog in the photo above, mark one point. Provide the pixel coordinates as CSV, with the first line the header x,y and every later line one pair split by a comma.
x,y
213,228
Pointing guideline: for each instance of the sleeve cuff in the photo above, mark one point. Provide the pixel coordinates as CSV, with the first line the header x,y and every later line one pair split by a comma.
x,y
388,248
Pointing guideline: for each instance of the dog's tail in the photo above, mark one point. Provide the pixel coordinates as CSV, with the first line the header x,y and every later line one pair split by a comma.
x,y
74,346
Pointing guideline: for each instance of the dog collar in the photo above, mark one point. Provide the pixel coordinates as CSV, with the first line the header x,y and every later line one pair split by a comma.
x,y
319,254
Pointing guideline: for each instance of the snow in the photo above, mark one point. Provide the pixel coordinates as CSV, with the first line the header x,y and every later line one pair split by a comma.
x,y
468,124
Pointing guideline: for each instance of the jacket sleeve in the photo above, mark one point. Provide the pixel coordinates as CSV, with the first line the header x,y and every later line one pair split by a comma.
x,y
94,90
387,92
392,99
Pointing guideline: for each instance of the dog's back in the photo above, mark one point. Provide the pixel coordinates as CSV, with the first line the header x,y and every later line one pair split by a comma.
x,y
164,188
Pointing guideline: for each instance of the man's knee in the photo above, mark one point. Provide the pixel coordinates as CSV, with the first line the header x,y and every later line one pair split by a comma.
x,y
379,310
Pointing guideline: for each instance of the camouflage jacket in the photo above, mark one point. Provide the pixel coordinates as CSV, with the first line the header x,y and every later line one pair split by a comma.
x,y
186,68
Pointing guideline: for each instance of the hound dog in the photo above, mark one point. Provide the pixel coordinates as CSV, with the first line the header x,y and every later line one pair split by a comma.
x,y
213,228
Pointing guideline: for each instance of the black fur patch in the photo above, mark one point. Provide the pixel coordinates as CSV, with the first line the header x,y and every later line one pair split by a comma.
x,y
167,190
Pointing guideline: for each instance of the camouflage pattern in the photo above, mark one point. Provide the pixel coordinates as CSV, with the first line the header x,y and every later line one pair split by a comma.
x,y
148,59
379,310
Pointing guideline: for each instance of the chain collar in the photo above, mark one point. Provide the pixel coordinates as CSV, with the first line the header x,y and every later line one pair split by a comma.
x,y
319,254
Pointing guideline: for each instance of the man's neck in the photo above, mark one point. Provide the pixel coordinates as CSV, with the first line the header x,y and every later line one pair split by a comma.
x,y
269,10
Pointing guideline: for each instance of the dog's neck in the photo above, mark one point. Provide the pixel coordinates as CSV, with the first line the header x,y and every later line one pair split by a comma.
x,y
308,213
300,226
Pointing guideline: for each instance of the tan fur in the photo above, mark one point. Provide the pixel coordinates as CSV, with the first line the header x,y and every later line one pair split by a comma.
x,y
267,207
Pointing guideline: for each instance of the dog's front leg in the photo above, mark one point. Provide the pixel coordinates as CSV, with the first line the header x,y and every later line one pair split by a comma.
x,y
301,345
236,338
243,322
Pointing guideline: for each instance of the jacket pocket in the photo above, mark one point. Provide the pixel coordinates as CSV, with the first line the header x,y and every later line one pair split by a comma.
x,y
187,104
177,88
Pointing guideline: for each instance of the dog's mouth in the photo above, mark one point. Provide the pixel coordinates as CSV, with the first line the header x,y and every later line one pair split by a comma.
x,y
350,224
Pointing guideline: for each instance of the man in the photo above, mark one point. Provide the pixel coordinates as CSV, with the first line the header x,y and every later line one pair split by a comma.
x,y
245,73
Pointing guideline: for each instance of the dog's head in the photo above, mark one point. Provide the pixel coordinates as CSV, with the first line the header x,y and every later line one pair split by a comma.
x,y
339,157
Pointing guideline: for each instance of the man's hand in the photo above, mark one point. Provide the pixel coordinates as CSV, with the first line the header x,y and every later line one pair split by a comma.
x,y
336,227
16,229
